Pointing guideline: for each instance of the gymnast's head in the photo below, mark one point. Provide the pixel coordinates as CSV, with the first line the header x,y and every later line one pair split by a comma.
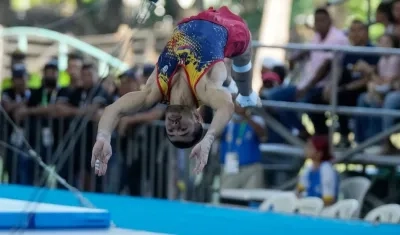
x,y
183,125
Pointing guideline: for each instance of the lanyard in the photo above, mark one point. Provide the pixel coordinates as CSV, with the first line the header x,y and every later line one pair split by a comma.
x,y
45,100
239,137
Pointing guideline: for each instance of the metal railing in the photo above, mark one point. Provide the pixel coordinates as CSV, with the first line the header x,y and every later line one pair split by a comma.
x,y
144,163
333,108
351,154
64,42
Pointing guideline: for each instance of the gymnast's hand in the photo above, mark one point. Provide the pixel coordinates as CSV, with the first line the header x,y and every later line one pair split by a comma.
x,y
101,153
200,153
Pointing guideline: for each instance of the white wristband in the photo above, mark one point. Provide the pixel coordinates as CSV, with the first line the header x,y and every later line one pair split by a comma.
x,y
103,135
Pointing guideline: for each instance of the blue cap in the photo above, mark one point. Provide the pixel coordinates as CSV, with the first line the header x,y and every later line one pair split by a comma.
x,y
148,69
18,71
52,64
130,73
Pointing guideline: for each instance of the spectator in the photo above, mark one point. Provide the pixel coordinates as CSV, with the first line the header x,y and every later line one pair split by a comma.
x,y
118,167
39,107
134,123
315,74
84,101
70,77
33,80
240,153
109,85
269,80
396,11
12,99
379,94
147,71
320,179
351,84
17,95
384,16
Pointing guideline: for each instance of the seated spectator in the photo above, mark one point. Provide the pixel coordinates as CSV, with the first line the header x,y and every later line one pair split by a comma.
x,y
240,154
271,80
12,99
379,94
384,16
351,83
316,71
395,5
320,179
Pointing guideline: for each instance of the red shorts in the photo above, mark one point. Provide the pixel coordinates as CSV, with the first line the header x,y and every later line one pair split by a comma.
x,y
238,32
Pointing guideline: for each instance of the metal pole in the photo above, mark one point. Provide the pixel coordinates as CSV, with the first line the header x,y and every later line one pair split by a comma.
x,y
371,141
335,84
316,108
369,10
347,49
279,128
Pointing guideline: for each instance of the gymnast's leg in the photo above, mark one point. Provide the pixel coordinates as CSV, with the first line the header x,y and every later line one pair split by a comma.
x,y
242,74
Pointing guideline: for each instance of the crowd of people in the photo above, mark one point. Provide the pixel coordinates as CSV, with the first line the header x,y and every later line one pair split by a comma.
x,y
48,107
366,80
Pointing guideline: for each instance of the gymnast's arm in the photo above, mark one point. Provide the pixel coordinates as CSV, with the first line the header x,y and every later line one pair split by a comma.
x,y
221,101
131,102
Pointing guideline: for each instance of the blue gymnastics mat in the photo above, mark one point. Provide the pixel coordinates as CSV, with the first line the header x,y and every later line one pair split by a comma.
x,y
33,215
111,231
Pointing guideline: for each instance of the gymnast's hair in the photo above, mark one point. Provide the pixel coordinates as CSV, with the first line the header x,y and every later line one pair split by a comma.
x,y
197,136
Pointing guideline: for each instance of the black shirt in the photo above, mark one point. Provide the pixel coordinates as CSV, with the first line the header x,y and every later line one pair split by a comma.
x,y
42,97
79,97
10,95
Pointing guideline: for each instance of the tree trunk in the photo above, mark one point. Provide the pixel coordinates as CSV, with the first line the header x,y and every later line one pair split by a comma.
x,y
174,9
6,14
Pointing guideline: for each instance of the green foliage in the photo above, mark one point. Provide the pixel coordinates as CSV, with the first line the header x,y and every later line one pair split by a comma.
x,y
21,4
300,8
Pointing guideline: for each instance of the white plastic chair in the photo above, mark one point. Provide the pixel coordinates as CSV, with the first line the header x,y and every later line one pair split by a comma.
x,y
344,209
309,206
389,213
281,203
355,188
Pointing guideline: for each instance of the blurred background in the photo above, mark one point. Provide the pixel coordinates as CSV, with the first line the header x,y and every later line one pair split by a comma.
x,y
64,61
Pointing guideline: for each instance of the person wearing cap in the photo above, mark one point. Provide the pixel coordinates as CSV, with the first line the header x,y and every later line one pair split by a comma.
x,y
12,99
147,70
42,99
33,80
130,81
40,107
269,80
17,94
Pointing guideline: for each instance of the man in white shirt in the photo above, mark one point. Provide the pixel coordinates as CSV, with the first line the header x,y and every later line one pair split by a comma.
x,y
316,71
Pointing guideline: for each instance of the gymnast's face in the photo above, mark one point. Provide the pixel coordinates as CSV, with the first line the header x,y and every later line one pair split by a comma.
x,y
180,122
